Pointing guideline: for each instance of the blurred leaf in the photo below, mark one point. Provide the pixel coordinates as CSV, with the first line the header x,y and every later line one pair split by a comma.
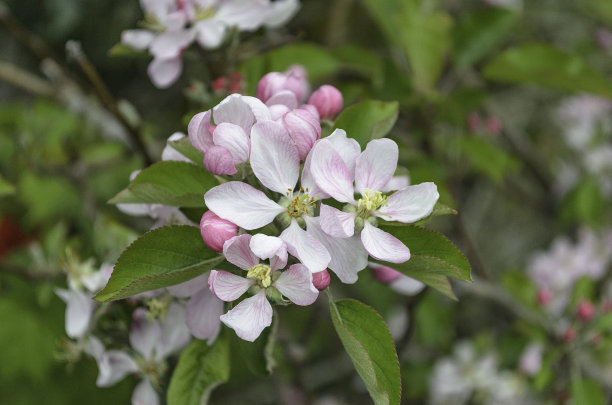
x,y
585,391
200,369
160,258
370,119
584,204
48,198
438,282
184,147
362,60
6,187
599,9
124,50
479,32
430,252
487,158
547,66
368,342
170,183
258,355
434,322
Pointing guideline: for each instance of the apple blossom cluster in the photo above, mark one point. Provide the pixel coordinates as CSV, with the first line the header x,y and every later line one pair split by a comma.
x,y
171,26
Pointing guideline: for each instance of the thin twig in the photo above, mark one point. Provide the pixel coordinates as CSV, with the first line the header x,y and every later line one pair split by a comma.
x,y
26,80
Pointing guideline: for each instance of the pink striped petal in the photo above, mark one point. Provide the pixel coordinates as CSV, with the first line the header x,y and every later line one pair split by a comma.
x,y
307,181
250,317
219,160
199,131
348,149
376,165
296,284
337,223
411,203
283,97
274,156
202,315
396,183
242,204
234,139
330,172
234,110
227,286
259,110
237,251
382,245
305,247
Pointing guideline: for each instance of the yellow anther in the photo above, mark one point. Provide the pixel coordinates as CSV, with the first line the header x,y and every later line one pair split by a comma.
x,y
371,201
261,273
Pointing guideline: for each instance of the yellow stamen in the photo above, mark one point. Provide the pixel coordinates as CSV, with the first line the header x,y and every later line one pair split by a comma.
x,y
261,273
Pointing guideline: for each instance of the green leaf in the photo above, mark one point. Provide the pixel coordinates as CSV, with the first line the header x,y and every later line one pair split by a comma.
x,y
200,369
547,66
170,183
367,120
487,158
479,33
585,391
368,342
585,203
184,147
430,252
258,355
160,258
436,281
6,187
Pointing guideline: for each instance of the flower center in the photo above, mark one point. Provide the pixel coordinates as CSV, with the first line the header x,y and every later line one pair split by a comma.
x,y
158,307
261,273
300,203
370,201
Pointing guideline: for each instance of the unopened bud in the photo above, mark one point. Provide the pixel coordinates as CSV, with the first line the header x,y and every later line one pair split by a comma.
x,y
294,79
544,297
473,122
606,305
384,274
321,280
493,125
569,335
219,160
304,128
328,101
216,231
585,310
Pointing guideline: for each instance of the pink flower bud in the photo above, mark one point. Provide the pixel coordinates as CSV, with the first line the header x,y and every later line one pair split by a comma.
x,y
384,274
311,109
219,160
569,335
215,231
219,85
295,79
606,305
328,101
585,310
473,122
321,280
544,297
304,128
493,125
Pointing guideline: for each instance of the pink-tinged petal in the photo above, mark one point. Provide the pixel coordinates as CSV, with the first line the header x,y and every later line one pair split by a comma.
x,y
233,138
305,247
113,366
171,154
202,315
407,286
281,12
265,247
144,333
382,245
376,165
304,128
307,181
189,288
216,231
219,160
242,204
296,284
337,223
145,394
396,183
348,256
328,101
283,97
238,252
250,317
247,15
227,286
174,332
274,156
137,39
277,111
94,347
330,172
384,274
175,21
210,32
235,110
199,131
260,111
79,309
348,148
169,44
164,72
311,109
411,203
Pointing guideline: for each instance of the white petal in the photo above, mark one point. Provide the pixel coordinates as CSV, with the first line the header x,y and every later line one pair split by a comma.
x,y
113,365
396,183
250,317
227,286
189,288
407,286
283,97
330,172
242,204
411,203
382,245
170,44
376,165
144,333
307,181
265,246
337,223
171,154
282,11
202,315
296,284
137,39
199,131
164,72
233,138
305,247
235,110
258,108
174,332
237,251
210,33
274,156
144,394
134,209
247,15
348,148
94,347
348,256
79,309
